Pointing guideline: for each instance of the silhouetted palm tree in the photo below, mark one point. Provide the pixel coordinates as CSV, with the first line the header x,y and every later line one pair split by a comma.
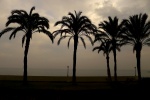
x,y
137,34
29,24
112,30
106,47
74,27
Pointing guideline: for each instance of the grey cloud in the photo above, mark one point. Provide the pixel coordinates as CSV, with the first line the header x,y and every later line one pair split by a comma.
x,y
106,11
122,8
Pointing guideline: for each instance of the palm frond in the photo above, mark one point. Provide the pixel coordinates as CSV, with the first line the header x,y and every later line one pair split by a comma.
x,y
13,12
23,39
72,16
118,48
42,21
99,37
147,42
24,12
63,24
83,42
33,8
6,30
134,48
15,31
78,14
87,28
69,40
61,38
20,22
143,19
55,33
95,48
90,39
48,33
35,15
61,32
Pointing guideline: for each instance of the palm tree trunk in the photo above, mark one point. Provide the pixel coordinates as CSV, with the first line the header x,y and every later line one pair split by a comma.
x,y
108,68
74,59
138,57
25,60
115,65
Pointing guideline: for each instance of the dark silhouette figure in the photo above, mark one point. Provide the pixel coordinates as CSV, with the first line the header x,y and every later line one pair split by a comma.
x,y
137,34
106,47
75,26
112,31
29,24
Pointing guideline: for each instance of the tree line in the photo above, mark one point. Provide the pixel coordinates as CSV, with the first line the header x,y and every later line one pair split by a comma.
x,y
110,34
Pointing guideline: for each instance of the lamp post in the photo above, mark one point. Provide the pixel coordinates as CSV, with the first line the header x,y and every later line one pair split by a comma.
x,y
67,71
135,71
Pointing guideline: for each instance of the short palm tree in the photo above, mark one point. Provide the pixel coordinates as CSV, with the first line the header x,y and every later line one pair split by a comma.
x,y
29,24
75,26
137,34
106,47
112,30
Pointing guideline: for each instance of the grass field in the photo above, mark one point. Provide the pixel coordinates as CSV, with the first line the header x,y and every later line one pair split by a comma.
x,y
61,88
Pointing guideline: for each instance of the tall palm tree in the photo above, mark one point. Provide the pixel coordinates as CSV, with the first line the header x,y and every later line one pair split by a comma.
x,y
137,34
112,30
106,47
29,24
75,26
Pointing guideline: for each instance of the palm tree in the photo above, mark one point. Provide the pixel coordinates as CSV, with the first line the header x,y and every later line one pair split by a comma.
x,y
75,26
29,24
106,47
112,30
137,34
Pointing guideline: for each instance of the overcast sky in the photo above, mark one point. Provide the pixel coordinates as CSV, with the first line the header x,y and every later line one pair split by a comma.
x,y
44,54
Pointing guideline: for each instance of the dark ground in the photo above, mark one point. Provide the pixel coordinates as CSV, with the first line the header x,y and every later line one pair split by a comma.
x,y
45,90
